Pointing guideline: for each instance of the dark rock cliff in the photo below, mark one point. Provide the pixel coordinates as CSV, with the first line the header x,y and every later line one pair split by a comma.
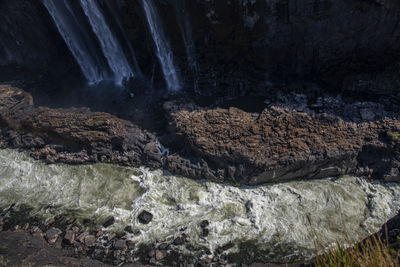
x,y
30,43
240,46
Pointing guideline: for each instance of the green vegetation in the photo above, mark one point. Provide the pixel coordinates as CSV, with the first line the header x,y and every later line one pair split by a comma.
x,y
370,252
395,135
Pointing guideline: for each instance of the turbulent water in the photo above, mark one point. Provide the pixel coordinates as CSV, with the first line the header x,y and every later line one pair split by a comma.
x,y
276,222
163,50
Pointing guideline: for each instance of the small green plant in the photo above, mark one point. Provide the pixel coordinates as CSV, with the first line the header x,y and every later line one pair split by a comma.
x,y
395,135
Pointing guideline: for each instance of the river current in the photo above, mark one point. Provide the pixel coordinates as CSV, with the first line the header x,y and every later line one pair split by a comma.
x,y
273,222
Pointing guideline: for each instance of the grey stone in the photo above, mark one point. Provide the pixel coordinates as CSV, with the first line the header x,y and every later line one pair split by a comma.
x,y
90,241
69,237
120,244
145,217
109,221
52,235
160,255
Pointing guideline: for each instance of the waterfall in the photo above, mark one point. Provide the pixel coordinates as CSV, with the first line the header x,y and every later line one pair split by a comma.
x,y
186,30
164,52
82,47
125,36
109,44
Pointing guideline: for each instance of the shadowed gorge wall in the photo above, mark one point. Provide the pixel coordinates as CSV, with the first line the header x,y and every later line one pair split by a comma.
x,y
240,46
29,41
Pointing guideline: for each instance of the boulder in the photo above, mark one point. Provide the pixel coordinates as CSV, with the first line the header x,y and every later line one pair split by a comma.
x,y
145,217
52,235
120,245
109,221
90,240
69,237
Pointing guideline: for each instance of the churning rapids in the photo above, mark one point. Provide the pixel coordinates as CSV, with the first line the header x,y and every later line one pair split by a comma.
x,y
285,222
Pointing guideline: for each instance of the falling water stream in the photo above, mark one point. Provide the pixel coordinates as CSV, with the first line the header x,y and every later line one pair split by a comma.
x,y
111,47
96,64
82,47
163,49
283,222
115,15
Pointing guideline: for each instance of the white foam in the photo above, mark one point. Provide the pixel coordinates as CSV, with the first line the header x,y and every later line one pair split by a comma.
x,y
287,221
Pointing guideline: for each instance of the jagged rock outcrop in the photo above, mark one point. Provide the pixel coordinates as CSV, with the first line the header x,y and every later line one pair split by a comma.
x,y
281,144
74,135
222,144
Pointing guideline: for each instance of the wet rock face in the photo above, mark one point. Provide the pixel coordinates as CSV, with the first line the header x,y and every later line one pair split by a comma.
x,y
281,144
14,104
28,40
238,43
79,127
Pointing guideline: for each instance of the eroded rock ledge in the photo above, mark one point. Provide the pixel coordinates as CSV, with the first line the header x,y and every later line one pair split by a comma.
x,y
73,135
281,144
222,144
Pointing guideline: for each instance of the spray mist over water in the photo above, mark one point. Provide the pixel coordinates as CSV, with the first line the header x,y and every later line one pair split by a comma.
x,y
285,222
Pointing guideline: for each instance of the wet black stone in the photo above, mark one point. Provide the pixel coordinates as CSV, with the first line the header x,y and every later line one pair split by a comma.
x,y
178,241
204,224
136,232
86,221
224,247
151,253
145,217
128,229
110,221
163,246
205,232
130,244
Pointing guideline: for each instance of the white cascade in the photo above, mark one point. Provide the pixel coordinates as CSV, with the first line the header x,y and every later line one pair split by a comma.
x,y
163,49
114,13
82,47
109,44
